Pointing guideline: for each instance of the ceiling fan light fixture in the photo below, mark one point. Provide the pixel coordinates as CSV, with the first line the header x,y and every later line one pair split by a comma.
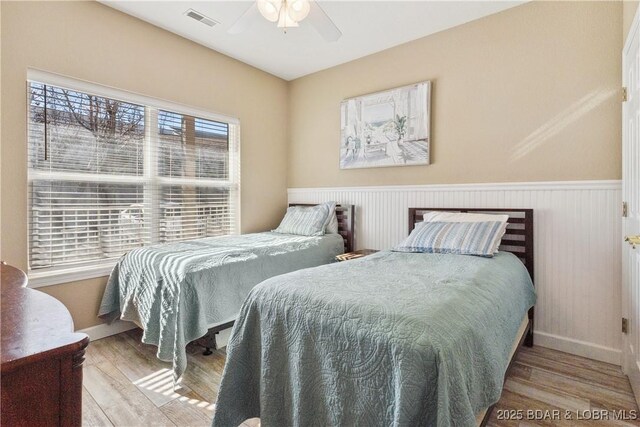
x,y
270,9
287,14
298,9
286,21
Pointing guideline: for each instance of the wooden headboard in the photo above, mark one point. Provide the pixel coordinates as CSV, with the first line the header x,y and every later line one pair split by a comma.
x,y
519,236
346,222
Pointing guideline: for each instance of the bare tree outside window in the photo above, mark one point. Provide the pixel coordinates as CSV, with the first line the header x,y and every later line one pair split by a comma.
x,y
83,134
86,132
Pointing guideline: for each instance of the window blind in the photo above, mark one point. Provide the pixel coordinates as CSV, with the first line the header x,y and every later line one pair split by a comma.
x,y
196,177
108,175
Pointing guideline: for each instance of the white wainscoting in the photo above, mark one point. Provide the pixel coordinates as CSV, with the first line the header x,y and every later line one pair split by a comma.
x,y
577,247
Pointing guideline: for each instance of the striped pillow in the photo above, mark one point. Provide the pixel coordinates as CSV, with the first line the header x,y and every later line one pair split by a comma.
x,y
440,216
464,238
306,220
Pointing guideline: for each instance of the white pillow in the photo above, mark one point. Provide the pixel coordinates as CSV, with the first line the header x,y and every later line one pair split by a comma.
x,y
305,220
442,216
332,227
328,224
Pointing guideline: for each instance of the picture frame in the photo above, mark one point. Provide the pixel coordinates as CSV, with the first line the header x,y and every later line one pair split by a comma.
x,y
387,128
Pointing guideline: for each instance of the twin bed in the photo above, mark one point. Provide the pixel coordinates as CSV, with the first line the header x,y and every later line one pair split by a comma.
x,y
394,338
182,291
390,339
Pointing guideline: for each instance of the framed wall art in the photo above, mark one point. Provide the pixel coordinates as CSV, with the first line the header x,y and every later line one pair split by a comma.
x,y
388,128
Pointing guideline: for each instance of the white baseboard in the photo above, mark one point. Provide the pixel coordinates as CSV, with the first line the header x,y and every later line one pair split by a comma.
x,y
105,329
543,339
579,348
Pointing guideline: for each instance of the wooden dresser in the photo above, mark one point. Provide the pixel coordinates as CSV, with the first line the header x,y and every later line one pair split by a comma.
x,y
41,366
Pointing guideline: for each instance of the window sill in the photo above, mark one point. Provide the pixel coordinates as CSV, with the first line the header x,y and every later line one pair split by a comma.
x,y
39,279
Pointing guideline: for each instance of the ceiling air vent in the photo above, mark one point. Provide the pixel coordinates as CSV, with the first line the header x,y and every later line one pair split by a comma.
x,y
200,17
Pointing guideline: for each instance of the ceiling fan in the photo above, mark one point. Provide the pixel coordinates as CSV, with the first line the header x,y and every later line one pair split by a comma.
x,y
288,14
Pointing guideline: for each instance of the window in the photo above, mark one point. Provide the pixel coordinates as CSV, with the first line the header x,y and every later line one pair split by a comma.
x,y
108,174
194,152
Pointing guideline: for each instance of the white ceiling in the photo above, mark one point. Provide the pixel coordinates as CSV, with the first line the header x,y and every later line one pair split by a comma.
x,y
367,27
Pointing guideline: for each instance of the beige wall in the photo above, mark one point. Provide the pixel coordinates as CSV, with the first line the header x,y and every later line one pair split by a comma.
x,y
629,8
89,41
529,94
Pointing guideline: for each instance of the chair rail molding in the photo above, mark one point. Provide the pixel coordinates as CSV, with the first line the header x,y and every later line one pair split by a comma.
x,y
577,247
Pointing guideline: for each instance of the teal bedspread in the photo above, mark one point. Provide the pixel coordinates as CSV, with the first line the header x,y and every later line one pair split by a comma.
x,y
175,292
393,339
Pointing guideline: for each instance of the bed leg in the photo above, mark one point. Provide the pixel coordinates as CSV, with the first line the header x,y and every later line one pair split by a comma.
x,y
528,340
211,338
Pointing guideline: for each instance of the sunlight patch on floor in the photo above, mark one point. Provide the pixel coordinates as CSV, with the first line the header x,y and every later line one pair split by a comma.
x,y
157,380
198,403
252,422
161,382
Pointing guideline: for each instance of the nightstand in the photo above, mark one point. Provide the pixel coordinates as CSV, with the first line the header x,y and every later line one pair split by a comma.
x,y
355,254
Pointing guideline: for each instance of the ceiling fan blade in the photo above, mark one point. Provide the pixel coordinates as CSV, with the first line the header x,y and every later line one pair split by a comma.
x,y
245,19
322,23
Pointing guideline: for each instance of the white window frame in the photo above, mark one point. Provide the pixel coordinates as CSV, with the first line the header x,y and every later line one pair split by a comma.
x,y
95,269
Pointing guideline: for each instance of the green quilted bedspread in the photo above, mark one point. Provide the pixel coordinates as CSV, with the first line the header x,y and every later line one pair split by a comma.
x,y
393,339
176,291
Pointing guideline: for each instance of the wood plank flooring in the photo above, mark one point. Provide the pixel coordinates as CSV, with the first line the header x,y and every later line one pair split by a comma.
x,y
125,385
